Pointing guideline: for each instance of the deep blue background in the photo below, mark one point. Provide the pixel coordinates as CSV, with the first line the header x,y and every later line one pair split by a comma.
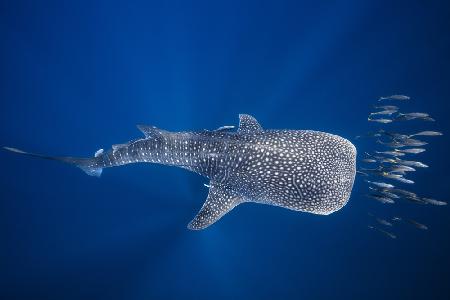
x,y
77,76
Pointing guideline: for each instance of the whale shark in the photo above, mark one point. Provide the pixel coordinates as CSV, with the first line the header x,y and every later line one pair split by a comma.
x,y
301,170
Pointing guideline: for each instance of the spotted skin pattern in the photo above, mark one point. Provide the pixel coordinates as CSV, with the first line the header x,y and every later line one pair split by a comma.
x,y
302,170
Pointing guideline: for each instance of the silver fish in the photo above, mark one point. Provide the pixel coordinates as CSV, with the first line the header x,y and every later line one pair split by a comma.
x,y
382,159
413,142
400,169
395,135
388,160
415,115
396,167
404,180
383,112
388,234
397,177
384,192
396,219
373,134
412,163
369,160
403,118
394,97
411,150
392,153
369,155
361,173
381,199
389,194
430,119
384,121
375,172
393,144
386,107
417,224
383,222
381,184
415,199
427,133
404,192
434,202
391,176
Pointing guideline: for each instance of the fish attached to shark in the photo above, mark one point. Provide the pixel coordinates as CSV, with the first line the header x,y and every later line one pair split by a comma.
x,y
301,170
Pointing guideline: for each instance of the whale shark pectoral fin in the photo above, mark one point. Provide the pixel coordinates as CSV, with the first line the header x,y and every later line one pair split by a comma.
x,y
150,131
248,124
220,201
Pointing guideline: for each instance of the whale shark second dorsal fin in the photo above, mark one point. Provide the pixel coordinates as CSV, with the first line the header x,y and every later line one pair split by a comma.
x,y
150,131
248,124
221,200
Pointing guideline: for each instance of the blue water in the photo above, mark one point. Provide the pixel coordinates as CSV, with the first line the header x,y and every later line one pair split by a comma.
x,y
77,76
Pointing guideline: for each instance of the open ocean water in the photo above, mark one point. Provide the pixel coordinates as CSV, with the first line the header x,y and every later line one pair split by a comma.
x,y
77,76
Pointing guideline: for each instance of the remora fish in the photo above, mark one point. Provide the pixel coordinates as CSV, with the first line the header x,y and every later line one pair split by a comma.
x,y
302,170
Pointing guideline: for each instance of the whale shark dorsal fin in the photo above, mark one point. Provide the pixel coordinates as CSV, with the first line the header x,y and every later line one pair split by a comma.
x,y
150,131
221,200
248,124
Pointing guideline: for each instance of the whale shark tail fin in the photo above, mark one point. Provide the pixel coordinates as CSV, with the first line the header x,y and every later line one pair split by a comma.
x,y
88,165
